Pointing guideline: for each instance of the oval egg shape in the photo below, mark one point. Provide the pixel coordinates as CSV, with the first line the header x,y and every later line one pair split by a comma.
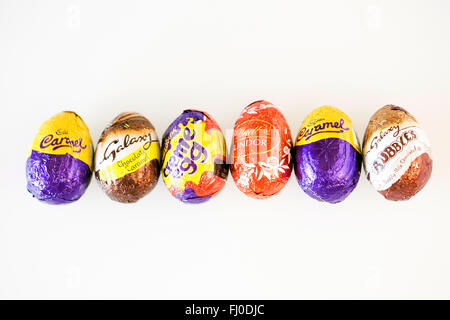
x,y
194,165
59,165
261,151
127,158
327,155
397,153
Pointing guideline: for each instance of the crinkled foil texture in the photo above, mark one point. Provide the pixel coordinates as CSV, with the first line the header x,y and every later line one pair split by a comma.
x,y
56,179
419,171
328,170
412,181
135,185
211,182
263,173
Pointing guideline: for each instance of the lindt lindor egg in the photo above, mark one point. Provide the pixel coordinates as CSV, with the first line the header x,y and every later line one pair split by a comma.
x,y
59,166
261,151
194,165
397,153
327,155
127,159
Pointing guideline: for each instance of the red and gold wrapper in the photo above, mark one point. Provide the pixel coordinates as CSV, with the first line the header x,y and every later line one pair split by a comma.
x,y
261,151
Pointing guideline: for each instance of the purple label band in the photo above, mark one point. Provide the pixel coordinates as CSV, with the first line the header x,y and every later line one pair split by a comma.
x,y
327,170
190,196
56,179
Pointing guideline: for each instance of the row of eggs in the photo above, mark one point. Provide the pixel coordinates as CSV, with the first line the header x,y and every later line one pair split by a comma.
x,y
192,159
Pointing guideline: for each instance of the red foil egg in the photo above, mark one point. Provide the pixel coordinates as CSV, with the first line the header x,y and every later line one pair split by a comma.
x,y
261,151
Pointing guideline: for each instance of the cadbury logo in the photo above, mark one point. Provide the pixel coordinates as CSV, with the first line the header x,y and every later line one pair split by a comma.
x,y
185,156
62,142
324,127
61,131
112,150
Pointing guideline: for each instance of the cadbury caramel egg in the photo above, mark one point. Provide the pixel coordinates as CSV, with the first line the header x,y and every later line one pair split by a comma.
x,y
397,153
127,158
261,150
59,166
194,165
327,155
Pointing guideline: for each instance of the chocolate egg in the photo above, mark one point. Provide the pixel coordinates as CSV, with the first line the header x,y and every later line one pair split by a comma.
x,y
59,166
194,165
261,151
397,154
327,155
127,159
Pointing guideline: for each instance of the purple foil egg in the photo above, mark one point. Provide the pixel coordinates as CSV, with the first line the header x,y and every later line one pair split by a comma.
x,y
327,155
56,179
59,167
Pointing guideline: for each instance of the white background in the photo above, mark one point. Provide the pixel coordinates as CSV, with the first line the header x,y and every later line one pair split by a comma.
x,y
157,58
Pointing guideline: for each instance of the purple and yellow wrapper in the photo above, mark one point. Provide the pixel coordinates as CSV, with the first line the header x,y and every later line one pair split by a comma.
x,y
327,155
59,166
194,165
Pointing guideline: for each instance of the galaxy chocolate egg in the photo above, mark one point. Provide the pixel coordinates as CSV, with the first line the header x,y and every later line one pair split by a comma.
x,y
59,166
327,155
127,158
194,165
397,153
261,151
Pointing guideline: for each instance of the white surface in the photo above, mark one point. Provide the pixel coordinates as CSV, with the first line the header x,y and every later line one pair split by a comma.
x,y
156,58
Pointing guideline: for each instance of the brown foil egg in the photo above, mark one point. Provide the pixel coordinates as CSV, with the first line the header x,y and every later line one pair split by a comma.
x,y
127,158
397,153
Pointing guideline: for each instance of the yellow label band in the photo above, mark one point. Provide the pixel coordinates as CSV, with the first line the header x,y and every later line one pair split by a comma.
x,y
131,162
65,133
193,150
324,123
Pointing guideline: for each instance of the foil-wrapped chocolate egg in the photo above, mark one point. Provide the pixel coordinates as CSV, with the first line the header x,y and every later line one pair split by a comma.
x,y
59,166
194,165
127,158
261,150
327,155
397,153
